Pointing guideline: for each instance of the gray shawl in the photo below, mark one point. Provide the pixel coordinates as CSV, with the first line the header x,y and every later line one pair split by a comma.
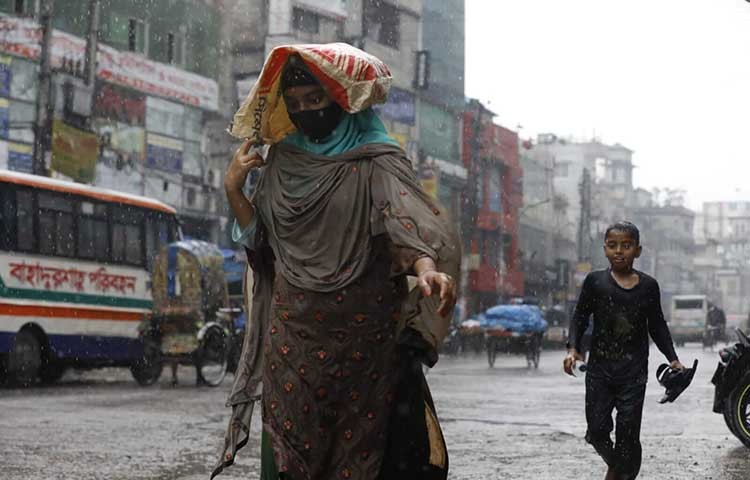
x,y
318,216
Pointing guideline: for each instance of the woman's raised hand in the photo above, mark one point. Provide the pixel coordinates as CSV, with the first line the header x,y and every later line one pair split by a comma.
x,y
242,162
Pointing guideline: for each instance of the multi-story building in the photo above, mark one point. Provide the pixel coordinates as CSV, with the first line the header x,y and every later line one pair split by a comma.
x,y
171,75
548,247
725,220
669,248
610,168
141,127
390,30
491,204
722,233
441,101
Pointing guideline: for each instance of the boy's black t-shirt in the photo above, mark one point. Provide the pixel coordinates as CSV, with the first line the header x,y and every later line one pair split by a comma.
x,y
623,319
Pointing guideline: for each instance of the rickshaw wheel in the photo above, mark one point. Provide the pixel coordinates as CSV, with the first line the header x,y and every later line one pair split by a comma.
x,y
147,369
491,352
212,358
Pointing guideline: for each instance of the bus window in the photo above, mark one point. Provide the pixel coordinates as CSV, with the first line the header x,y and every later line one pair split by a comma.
x,y
152,242
56,225
25,238
158,234
7,218
688,304
93,240
127,240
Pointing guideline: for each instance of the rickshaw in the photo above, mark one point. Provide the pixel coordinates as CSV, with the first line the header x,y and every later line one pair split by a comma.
x,y
187,326
514,329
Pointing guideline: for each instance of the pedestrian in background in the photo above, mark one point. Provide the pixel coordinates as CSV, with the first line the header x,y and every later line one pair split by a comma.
x,y
626,308
336,223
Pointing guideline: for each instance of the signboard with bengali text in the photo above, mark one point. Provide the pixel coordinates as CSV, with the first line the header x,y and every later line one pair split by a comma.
x,y
74,151
21,36
33,273
164,153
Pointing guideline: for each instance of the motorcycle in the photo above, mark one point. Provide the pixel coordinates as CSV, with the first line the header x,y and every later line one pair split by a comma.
x,y
732,387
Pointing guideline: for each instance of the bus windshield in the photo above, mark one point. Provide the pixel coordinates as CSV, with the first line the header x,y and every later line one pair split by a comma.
x,y
688,304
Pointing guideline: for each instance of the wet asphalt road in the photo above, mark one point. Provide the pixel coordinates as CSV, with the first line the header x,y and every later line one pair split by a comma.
x,y
502,423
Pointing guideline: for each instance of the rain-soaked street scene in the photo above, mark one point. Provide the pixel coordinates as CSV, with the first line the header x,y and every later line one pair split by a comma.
x,y
374,239
503,422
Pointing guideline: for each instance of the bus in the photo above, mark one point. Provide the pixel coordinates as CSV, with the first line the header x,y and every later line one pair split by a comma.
x,y
688,317
74,276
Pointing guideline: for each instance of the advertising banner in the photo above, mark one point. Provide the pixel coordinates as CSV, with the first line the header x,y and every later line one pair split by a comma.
x,y
20,157
582,269
120,165
120,105
428,178
5,75
330,8
74,152
4,117
400,107
164,153
21,36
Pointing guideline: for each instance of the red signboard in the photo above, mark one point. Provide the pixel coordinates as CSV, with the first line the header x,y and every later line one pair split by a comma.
x,y
121,105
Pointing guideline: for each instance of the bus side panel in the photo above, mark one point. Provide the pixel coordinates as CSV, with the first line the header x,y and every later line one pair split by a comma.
x,y
6,340
94,348
77,338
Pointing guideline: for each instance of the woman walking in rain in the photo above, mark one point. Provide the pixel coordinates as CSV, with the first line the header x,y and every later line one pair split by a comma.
x,y
336,223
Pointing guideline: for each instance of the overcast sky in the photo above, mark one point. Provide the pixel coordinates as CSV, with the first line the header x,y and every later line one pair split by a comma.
x,y
669,79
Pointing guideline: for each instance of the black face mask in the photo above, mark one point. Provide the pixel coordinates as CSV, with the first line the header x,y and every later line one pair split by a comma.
x,y
317,124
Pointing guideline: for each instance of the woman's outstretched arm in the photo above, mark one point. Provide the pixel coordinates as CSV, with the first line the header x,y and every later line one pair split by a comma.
x,y
242,163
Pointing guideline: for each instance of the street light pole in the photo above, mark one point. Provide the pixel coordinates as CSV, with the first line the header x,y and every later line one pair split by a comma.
x,y
43,98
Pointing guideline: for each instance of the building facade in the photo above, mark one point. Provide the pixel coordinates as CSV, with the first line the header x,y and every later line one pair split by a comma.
x,y
490,223
724,255
172,74
610,170
548,247
141,127
669,249
441,100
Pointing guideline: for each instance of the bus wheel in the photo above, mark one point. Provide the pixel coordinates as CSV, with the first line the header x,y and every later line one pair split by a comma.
x,y
51,372
147,369
25,358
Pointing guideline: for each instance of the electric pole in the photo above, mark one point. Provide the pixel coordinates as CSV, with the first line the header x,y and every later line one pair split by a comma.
x,y
92,42
43,103
584,224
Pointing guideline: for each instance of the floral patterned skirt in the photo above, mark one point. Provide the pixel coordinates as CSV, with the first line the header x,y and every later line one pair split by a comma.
x,y
330,369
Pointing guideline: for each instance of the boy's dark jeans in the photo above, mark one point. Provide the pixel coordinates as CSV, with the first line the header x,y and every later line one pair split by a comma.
x,y
602,396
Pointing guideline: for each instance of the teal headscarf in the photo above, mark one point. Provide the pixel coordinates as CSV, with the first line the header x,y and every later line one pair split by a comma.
x,y
354,130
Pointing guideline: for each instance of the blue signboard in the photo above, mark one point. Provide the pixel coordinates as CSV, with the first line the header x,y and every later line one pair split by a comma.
x,y
4,117
20,157
164,153
400,107
5,76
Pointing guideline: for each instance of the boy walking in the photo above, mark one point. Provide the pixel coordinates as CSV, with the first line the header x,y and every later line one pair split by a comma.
x,y
626,307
